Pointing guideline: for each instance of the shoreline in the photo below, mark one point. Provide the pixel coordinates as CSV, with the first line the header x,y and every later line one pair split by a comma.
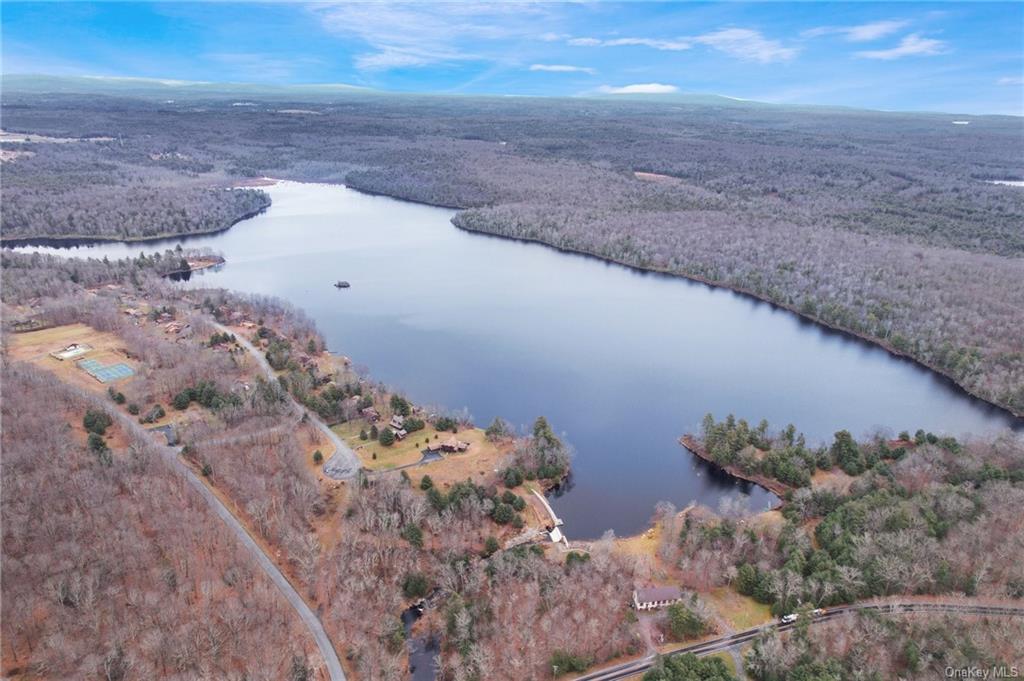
x,y
869,340
848,333
73,240
202,263
690,444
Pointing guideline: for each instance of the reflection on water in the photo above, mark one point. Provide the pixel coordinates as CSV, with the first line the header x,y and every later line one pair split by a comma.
x,y
622,362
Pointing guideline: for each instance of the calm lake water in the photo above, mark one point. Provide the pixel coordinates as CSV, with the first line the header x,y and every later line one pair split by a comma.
x,y
621,362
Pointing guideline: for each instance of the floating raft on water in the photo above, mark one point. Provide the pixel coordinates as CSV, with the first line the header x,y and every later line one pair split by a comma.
x,y
341,284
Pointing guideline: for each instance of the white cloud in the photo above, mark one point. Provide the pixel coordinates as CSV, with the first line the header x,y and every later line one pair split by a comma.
x,y
419,34
585,42
747,44
912,45
639,89
562,68
1011,80
742,43
860,33
672,45
551,37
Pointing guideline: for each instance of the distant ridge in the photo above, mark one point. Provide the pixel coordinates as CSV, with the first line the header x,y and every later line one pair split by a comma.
x,y
164,88
182,91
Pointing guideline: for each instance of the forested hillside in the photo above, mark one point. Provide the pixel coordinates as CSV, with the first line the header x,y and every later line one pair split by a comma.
x,y
882,224
112,567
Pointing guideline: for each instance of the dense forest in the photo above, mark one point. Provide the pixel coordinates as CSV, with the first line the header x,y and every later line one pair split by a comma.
x,y
881,224
112,569
914,515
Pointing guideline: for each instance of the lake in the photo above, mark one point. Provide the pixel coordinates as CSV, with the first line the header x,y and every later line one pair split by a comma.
x,y
621,362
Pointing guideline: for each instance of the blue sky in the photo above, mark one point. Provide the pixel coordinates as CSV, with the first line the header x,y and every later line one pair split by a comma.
x,y
957,57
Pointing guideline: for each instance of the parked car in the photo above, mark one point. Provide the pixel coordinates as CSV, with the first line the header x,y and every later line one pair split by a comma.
x,y
791,617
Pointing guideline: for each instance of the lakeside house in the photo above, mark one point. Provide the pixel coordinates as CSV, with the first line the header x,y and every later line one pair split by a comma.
x,y
453,445
654,597
397,422
449,445
370,414
400,433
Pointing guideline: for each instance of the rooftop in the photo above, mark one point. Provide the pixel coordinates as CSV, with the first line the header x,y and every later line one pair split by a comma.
x,y
653,594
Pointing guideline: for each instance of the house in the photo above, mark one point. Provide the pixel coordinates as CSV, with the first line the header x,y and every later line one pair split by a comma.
x,y
400,433
370,414
397,421
453,445
653,597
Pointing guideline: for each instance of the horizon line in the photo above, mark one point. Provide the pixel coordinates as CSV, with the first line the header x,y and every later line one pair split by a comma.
x,y
594,94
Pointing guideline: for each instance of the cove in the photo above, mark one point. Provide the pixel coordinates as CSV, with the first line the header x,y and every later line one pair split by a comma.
x,y
621,362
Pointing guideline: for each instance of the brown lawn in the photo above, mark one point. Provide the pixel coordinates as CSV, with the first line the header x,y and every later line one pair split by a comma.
x,y
480,463
35,347
741,612
835,480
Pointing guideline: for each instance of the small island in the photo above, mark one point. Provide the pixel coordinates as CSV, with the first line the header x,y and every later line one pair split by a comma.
x,y
341,283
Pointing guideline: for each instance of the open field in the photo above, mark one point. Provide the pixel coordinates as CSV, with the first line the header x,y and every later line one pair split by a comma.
x,y
375,456
741,612
477,463
35,347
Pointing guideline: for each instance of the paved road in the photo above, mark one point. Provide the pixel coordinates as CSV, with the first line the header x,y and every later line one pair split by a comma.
x,y
344,464
306,614
627,669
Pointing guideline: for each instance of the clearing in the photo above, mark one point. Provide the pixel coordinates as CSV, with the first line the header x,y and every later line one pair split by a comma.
x,y
477,463
35,347
742,612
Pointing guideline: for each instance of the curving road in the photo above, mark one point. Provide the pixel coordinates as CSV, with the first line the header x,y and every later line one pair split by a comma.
x,y
173,461
628,669
344,464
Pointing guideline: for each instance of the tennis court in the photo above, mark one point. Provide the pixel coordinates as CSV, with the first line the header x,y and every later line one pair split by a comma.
x,y
105,374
